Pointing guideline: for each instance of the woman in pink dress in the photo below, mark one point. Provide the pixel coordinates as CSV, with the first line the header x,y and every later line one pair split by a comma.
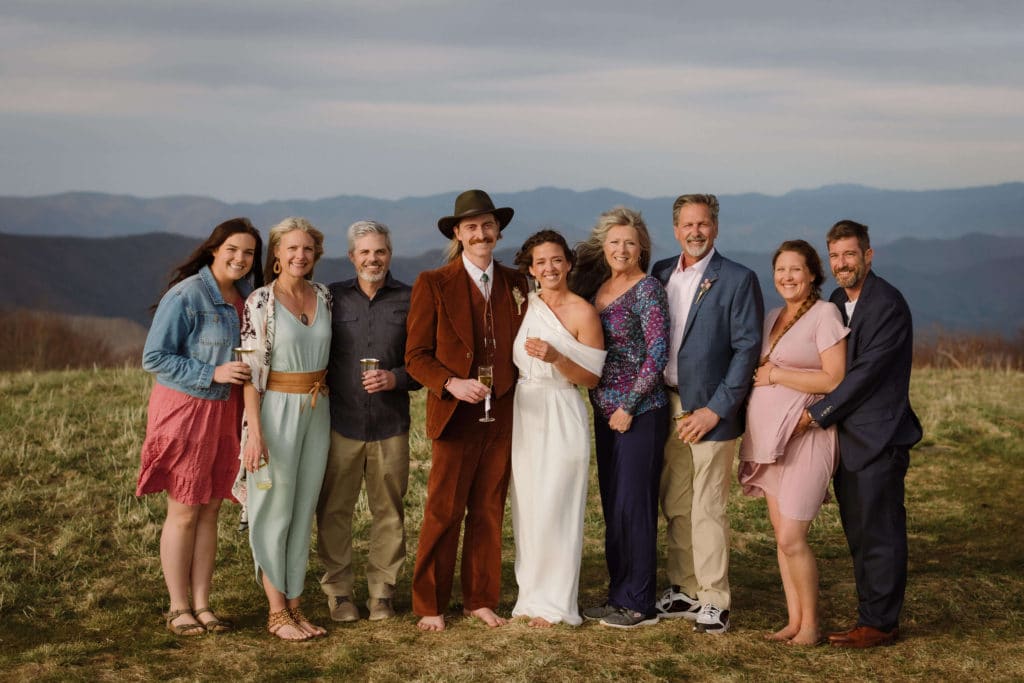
x,y
195,412
803,357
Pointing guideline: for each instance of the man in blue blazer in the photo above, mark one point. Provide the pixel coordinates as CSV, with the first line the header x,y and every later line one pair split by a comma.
x,y
716,312
877,428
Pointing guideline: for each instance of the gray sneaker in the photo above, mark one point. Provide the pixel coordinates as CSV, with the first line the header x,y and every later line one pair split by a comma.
x,y
627,618
380,609
342,609
600,612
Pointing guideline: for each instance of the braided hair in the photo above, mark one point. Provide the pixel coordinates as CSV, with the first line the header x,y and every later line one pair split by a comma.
x,y
813,263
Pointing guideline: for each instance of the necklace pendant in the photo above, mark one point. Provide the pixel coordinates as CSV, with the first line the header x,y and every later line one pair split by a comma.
x,y
303,318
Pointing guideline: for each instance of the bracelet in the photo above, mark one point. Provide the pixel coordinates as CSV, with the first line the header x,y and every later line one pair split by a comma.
x,y
770,376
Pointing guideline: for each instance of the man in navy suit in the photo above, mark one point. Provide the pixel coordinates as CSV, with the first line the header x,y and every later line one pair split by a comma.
x,y
716,312
877,427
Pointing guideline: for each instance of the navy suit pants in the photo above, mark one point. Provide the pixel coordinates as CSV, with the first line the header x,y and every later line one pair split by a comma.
x,y
875,523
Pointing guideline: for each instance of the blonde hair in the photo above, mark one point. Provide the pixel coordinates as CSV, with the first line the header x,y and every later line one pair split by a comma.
x,y
274,240
591,266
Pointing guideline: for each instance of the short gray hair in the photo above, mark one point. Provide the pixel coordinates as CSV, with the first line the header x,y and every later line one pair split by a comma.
x,y
363,228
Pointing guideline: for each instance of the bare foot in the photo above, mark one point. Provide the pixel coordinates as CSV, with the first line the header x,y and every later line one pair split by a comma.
x,y
807,638
431,623
486,615
783,634
539,622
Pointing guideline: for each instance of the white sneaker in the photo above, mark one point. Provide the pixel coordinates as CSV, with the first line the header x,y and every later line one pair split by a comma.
x,y
712,620
674,603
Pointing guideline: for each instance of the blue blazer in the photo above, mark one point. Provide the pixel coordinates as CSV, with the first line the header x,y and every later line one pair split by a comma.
x,y
871,406
721,343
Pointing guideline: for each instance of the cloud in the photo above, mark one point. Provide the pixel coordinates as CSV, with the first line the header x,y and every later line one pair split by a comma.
x,y
749,95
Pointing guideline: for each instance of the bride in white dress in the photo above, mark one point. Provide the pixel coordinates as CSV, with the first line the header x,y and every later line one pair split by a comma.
x,y
559,345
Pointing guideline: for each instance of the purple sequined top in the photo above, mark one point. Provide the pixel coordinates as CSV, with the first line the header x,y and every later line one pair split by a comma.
x,y
636,334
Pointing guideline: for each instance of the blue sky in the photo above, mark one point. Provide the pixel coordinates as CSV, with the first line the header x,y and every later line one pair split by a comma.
x,y
267,100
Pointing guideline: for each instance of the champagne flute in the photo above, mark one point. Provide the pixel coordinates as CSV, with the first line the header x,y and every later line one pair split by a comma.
x,y
485,375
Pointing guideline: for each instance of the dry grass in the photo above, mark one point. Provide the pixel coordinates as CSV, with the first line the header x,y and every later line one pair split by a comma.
x,y
81,590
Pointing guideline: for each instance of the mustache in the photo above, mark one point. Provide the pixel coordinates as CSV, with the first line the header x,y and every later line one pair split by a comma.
x,y
480,240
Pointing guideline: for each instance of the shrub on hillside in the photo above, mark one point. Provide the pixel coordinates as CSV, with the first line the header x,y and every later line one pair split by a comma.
x,y
47,341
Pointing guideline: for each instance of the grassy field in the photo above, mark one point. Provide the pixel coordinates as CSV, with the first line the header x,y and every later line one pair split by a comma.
x,y
81,593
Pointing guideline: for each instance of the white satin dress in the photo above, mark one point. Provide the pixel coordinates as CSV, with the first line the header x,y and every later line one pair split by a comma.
x,y
550,466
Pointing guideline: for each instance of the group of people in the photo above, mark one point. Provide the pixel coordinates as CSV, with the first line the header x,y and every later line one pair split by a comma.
x,y
680,364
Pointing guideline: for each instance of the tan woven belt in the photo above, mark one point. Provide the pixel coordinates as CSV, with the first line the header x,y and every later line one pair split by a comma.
x,y
298,383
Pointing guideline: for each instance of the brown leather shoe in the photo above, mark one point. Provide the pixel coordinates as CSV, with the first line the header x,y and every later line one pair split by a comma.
x,y
862,637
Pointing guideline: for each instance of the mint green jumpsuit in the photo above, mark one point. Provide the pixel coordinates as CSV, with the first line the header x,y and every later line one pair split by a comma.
x,y
297,437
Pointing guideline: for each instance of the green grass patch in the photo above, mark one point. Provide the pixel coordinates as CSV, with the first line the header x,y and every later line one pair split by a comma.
x,y
81,592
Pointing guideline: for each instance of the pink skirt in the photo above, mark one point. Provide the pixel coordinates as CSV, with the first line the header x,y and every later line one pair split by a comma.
x,y
191,447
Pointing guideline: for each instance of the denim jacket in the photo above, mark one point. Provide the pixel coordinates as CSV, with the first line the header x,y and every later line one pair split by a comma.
x,y
193,331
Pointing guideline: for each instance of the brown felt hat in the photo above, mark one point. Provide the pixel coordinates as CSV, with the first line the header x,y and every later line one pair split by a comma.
x,y
473,203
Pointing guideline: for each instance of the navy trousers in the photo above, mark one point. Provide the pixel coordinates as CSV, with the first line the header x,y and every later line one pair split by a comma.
x,y
875,523
629,472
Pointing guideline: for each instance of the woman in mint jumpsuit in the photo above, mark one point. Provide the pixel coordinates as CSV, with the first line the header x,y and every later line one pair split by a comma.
x,y
287,419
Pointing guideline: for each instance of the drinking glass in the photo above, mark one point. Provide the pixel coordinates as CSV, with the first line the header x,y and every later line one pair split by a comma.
x,y
262,476
485,374
368,364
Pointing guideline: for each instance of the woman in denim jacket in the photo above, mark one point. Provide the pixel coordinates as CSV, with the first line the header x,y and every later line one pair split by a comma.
x,y
195,410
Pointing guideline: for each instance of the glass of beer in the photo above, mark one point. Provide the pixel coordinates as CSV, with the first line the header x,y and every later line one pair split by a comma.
x,y
485,374
262,476
368,364
241,352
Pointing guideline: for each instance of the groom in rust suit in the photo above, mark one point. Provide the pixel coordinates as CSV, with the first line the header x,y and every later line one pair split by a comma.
x,y
462,316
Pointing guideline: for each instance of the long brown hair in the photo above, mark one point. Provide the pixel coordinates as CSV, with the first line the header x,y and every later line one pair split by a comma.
x,y
203,254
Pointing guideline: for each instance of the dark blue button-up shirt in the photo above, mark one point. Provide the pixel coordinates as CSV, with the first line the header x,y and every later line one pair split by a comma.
x,y
369,328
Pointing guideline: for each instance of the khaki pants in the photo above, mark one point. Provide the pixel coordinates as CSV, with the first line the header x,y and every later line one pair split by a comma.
x,y
694,491
385,467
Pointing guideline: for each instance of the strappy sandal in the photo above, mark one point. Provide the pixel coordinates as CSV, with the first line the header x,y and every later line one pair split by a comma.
x,y
278,620
299,618
215,625
189,630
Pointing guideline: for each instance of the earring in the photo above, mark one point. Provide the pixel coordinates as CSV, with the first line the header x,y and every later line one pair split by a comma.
x,y
277,267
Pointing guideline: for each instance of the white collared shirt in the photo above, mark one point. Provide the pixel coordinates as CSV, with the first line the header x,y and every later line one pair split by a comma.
x,y
475,275
681,289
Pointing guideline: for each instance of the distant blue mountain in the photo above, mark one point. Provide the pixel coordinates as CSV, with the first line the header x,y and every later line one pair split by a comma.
x,y
750,222
968,283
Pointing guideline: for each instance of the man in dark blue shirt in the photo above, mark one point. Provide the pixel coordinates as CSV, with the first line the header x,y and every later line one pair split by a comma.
x,y
369,426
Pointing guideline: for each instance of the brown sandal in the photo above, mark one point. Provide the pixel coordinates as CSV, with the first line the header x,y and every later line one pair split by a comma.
x,y
299,618
189,630
278,620
215,625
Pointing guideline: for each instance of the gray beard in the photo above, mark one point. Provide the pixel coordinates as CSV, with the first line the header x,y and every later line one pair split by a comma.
x,y
372,278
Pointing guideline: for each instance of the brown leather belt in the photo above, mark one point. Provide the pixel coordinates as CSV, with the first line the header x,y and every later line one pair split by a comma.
x,y
298,383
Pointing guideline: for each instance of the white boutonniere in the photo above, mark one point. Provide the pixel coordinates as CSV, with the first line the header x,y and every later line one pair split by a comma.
x,y
519,299
704,287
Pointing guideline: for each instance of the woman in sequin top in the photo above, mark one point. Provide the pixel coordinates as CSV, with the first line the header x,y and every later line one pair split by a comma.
x,y
630,408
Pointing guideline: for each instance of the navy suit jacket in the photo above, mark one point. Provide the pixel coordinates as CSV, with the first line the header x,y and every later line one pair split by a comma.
x,y
871,406
721,342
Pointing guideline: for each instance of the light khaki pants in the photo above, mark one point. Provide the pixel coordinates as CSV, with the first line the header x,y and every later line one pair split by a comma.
x,y
694,491
384,465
